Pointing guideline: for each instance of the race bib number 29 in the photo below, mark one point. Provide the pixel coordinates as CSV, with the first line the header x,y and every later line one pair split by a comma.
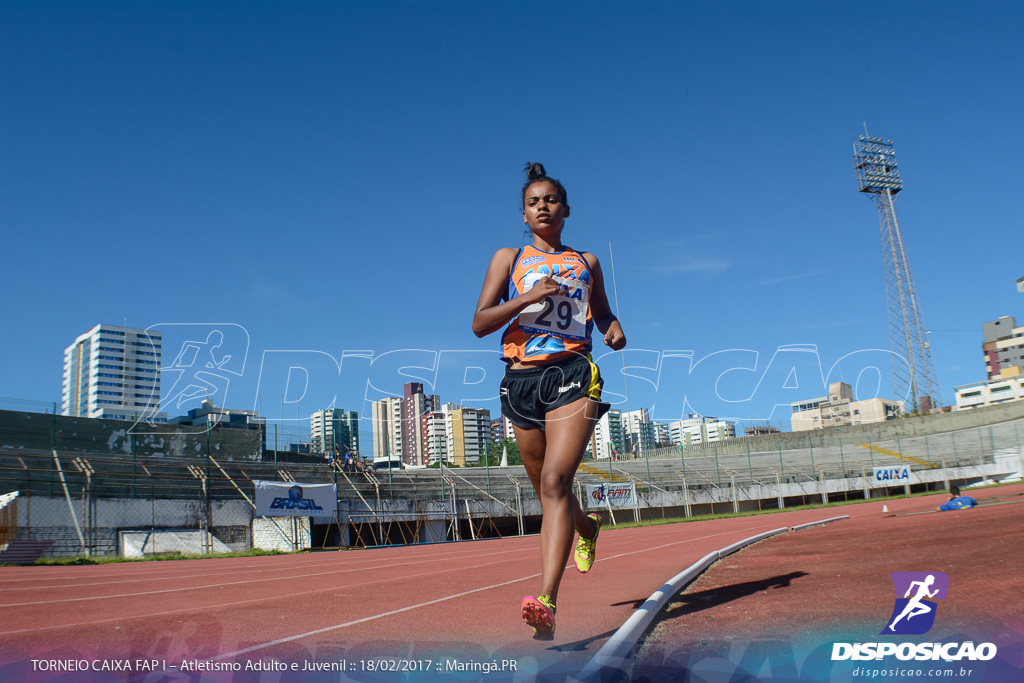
x,y
562,315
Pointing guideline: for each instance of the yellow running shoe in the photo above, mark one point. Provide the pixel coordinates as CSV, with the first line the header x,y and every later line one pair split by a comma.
x,y
539,613
586,548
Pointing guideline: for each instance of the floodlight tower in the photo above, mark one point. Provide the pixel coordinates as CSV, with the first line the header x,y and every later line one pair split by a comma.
x,y
879,178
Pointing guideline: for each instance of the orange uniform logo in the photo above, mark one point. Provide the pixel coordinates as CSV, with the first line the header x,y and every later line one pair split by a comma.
x,y
560,323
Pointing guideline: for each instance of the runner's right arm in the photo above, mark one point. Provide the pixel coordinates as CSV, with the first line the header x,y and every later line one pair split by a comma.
x,y
491,313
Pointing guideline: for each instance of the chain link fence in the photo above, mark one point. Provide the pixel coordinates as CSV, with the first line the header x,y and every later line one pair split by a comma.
x,y
94,496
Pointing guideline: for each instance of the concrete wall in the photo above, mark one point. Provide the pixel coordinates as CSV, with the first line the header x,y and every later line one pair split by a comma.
x,y
937,423
281,533
50,518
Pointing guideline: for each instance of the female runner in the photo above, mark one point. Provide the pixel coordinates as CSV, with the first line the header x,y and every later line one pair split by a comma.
x,y
550,296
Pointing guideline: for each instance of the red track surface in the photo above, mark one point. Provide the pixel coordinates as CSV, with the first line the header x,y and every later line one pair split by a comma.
x,y
831,583
447,601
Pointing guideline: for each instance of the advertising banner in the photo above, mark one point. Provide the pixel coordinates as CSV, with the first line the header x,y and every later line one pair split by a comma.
x,y
894,474
619,495
290,499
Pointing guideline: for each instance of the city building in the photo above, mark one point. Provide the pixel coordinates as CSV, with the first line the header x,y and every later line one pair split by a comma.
x,y
761,430
838,409
334,428
1003,346
415,404
467,430
386,419
435,436
638,432
1009,386
498,429
661,434
700,429
608,435
113,372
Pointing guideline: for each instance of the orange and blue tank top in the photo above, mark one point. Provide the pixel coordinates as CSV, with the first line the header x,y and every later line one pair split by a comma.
x,y
558,325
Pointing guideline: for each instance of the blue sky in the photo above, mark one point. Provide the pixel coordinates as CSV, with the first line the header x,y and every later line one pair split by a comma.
x,y
334,177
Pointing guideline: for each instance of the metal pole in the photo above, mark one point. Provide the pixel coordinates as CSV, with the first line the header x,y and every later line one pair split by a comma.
x,y
686,496
650,483
135,457
717,468
842,460
750,467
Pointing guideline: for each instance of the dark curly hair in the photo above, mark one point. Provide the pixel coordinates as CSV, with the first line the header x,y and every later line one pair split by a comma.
x,y
535,173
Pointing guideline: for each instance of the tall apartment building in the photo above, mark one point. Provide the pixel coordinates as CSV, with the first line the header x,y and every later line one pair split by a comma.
x,y
1003,346
501,428
839,409
1009,386
113,372
700,429
661,433
638,431
608,434
386,419
334,428
415,404
456,435
435,436
468,431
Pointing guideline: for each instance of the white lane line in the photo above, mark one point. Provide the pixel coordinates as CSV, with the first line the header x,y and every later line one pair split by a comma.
x,y
288,639
219,570
292,575
299,636
333,588
264,599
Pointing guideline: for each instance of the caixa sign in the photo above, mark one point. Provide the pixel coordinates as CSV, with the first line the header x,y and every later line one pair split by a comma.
x,y
894,474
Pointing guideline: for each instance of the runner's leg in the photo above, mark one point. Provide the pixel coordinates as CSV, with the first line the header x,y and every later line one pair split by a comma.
x,y
568,430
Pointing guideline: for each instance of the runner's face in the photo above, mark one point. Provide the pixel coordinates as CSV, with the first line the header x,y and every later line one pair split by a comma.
x,y
543,209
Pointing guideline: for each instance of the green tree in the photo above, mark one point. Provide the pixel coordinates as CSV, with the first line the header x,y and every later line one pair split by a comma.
x,y
494,453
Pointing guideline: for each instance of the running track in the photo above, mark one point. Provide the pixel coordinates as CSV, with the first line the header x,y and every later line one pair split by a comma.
x,y
457,601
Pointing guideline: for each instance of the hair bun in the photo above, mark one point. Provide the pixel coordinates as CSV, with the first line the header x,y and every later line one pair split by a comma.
x,y
535,171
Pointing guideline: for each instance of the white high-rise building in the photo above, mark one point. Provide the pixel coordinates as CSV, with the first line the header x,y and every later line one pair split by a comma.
x,y
387,427
113,372
638,431
608,434
699,429
334,428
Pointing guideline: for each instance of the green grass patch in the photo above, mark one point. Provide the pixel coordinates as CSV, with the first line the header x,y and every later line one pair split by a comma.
x,y
810,506
159,557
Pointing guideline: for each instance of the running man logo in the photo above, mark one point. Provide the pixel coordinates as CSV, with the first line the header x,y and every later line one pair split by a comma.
x,y
914,612
294,501
207,359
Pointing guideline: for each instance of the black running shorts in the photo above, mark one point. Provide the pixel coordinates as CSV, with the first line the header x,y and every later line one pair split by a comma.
x,y
527,394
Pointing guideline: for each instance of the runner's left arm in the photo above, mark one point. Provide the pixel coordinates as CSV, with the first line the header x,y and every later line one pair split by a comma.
x,y
600,311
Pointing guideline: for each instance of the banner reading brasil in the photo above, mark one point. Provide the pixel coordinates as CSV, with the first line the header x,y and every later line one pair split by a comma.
x,y
618,495
290,499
